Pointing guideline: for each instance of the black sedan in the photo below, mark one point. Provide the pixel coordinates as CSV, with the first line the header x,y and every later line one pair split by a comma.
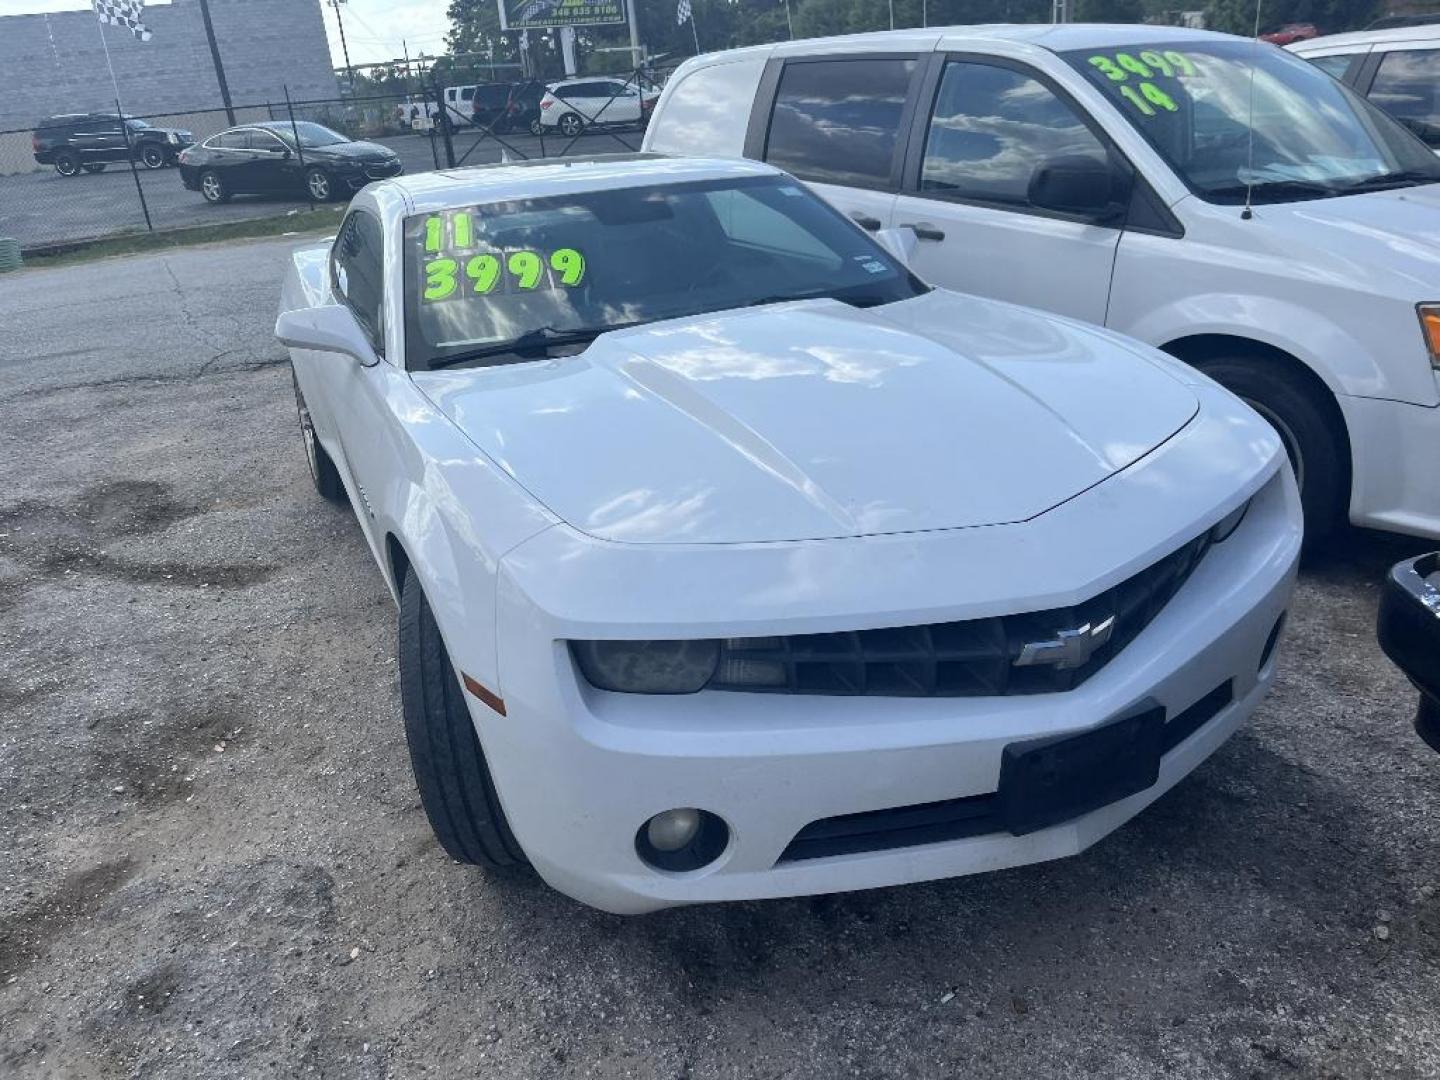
x,y
283,158
1410,634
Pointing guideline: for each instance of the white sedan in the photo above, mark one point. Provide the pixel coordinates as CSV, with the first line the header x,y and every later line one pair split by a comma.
x,y
733,561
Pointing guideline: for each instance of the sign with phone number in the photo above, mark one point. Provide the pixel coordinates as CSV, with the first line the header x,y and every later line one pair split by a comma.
x,y
1145,95
484,273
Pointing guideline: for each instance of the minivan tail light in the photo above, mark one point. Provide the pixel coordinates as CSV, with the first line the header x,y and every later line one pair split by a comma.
x,y
545,103
1430,324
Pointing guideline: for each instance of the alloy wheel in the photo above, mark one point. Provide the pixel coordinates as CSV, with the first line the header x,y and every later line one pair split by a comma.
x,y
210,187
152,157
319,185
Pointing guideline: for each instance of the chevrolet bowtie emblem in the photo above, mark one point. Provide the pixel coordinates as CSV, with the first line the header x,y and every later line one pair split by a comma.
x,y
1068,648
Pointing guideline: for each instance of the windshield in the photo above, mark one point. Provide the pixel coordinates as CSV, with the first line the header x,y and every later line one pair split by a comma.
x,y
311,135
504,282
136,125
1313,137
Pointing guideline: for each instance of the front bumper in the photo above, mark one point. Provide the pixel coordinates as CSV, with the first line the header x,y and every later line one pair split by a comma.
x,y
1397,482
580,770
1409,632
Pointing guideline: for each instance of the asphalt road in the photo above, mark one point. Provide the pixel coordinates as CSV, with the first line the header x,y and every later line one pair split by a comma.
x,y
44,207
213,862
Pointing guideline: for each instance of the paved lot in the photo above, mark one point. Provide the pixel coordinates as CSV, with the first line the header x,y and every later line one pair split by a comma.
x,y
207,808
44,207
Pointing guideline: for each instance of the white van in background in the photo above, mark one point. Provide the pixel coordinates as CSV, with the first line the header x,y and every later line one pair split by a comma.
x,y
1397,68
1109,173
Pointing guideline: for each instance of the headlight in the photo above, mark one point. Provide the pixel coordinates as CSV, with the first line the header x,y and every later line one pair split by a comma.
x,y
1229,523
647,667
1430,327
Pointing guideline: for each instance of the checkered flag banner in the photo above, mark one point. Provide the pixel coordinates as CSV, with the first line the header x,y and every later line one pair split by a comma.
x,y
124,13
682,12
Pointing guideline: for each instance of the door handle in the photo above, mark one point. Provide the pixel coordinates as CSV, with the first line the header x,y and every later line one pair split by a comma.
x,y
924,230
865,221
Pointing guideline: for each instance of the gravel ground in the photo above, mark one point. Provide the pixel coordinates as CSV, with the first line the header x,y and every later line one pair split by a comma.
x,y
214,863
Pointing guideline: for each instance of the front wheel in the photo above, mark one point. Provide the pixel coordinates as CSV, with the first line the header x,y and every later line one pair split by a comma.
x,y
319,184
152,157
454,780
67,164
1309,427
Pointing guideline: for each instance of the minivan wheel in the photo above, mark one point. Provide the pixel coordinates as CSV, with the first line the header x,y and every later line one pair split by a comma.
x,y
213,188
571,125
67,164
1309,428
318,183
152,157
456,789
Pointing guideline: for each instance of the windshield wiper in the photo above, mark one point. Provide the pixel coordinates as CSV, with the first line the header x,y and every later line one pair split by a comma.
x,y
1276,189
536,342
1404,178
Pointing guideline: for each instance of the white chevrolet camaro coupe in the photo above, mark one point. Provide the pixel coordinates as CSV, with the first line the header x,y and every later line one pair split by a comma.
x,y
734,561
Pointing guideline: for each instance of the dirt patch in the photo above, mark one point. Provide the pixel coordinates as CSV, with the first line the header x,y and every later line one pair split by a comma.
x,y
55,540
151,757
79,895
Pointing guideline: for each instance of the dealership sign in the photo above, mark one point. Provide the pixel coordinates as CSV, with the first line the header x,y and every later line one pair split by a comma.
x,y
540,14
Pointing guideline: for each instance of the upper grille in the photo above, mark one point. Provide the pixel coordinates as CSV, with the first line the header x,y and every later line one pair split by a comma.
x,y
975,658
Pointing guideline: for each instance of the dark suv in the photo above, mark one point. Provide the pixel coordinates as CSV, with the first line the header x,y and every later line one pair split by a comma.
x,y
90,141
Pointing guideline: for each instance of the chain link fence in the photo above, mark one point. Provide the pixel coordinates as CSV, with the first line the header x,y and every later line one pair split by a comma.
x,y
93,177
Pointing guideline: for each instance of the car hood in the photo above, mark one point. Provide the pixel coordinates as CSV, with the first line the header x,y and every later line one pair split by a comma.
x,y
813,420
1387,239
353,151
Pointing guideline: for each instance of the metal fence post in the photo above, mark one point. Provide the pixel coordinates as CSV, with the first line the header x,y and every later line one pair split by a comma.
x,y
443,119
134,172
299,152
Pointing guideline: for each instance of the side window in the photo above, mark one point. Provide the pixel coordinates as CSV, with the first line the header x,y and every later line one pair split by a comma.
x,y
1336,65
232,140
357,262
838,121
1405,87
264,140
468,94
992,128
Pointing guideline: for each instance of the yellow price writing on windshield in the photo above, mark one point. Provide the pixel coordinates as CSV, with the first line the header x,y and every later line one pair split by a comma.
x,y
491,272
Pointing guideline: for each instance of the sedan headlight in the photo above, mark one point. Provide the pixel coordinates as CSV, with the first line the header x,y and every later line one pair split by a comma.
x,y
647,667
1430,327
1229,523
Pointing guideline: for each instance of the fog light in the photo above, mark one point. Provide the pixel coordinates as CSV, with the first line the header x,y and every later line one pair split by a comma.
x,y
673,829
682,839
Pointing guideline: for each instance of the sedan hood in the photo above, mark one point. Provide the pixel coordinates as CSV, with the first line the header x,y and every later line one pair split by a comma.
x,y
353,151
813,420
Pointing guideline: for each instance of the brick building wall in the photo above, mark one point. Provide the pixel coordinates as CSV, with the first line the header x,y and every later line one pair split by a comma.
x,y
55,63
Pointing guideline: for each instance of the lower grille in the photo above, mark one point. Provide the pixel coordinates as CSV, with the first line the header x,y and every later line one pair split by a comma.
x,y
960,659
955,819
383,170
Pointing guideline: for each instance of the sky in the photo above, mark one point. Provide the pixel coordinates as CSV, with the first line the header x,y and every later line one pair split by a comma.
x,y
375,29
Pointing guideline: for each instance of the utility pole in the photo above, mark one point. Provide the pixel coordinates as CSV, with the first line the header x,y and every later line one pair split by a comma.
x,y
344,48
219,67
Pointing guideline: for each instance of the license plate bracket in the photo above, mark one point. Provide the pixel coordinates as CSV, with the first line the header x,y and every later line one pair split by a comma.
x,y
1045,782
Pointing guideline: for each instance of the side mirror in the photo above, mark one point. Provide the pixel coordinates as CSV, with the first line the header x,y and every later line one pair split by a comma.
x,y
1079,185
898,242
331,328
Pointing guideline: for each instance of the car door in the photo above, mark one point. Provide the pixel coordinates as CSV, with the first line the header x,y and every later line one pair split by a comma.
x,y
354,394
617,103
98,138
989,127
1405,82
272,166
838,123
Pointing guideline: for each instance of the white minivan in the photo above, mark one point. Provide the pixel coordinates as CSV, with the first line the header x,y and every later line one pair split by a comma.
x,y
1217,197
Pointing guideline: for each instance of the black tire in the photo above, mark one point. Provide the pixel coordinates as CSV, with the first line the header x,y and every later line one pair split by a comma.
x,y
456,789
322,470
67,163
571,125
1308,423
94,167
320,185
213,188
537,128
151,156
